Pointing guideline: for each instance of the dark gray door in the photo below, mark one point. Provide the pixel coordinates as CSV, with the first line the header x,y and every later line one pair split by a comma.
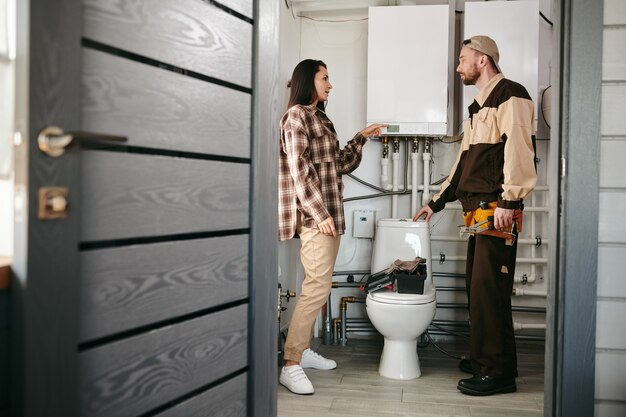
x,y
138,303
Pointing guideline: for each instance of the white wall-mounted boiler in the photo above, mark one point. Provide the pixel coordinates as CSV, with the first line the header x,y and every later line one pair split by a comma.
x,y
410,69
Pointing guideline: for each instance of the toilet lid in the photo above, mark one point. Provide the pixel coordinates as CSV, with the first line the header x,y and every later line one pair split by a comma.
x,y
391,297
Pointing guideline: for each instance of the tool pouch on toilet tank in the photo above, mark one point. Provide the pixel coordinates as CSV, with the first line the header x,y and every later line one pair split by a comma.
x,y
408,276
410,282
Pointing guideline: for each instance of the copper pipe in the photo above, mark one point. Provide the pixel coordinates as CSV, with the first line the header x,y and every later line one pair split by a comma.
x,y
343,307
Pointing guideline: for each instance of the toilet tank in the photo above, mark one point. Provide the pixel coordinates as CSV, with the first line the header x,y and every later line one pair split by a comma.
x,y
401,239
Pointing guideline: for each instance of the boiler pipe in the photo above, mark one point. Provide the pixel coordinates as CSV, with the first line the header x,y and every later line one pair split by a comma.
x,y
426,179
395,157
384,166
414,158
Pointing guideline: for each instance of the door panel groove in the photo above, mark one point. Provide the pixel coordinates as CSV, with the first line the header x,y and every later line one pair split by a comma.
x,y
159,411
99,46
226,400
148,240
93,146
229,10
133,376
93,344
189,34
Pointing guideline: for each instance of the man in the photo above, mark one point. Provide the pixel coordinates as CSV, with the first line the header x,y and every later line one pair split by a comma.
x,y
494,171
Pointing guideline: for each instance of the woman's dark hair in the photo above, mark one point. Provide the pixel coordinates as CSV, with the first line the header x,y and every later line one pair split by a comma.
x,y
302,83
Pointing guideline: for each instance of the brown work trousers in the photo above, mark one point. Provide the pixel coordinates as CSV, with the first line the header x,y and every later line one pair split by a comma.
x,y
489,282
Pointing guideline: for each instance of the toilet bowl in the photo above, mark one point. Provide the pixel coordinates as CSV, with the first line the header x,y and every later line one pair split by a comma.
x,y
401,318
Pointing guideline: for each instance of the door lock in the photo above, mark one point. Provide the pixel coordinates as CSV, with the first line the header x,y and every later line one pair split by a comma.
x,y
52,203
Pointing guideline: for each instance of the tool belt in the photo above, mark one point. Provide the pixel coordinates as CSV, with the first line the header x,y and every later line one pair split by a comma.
x,y
481,221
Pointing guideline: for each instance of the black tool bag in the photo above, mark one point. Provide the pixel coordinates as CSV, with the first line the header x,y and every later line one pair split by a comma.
x,y
377,281
406,277
410,282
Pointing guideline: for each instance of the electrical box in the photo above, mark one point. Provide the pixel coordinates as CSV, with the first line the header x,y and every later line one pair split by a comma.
x,y
410,69
363,224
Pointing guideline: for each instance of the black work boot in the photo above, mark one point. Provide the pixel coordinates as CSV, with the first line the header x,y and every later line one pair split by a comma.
x,y
486,385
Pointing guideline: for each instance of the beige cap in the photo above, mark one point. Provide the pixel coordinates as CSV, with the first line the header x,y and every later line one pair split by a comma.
x,y
485,45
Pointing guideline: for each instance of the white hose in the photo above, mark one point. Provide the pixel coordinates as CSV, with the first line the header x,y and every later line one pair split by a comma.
x,y
523,291
426,193
522,326
384,176
395,157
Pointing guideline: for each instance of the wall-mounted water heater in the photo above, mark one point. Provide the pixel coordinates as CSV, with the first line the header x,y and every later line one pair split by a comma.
x,y
410,69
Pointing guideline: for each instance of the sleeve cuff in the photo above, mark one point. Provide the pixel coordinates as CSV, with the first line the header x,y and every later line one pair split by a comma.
x,y
512,205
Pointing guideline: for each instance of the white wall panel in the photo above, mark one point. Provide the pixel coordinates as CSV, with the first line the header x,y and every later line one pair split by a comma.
x,y
614,12
610,371
612,227
613,106
515,28
604,409
613,56
610,384
343,47
611,267
610,324
612,157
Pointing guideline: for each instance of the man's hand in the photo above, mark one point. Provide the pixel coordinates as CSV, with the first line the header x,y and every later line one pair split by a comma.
x,y
327,227
503,219
424,210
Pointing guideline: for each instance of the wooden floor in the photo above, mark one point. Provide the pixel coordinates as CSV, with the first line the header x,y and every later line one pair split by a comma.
x,y
355,389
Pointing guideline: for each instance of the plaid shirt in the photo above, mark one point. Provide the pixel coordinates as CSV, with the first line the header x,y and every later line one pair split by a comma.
x,y
311,165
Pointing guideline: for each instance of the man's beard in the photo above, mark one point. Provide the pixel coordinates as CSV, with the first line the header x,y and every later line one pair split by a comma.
x,y
471,76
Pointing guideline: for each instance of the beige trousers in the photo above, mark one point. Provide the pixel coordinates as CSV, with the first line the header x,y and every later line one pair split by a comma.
x,y
318,253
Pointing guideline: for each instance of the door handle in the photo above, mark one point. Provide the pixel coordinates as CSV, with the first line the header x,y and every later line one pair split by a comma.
x,y
52,140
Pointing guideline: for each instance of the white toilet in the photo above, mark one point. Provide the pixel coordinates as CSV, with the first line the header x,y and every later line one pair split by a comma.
x,y
401,318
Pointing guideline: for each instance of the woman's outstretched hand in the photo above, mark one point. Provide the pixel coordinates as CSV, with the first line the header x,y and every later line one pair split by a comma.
x,y
373,130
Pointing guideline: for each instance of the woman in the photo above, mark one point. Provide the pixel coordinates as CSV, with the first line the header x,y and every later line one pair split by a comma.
x,y
310,204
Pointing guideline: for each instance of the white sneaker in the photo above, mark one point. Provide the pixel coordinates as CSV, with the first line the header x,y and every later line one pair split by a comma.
x,y
314,360
296,381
